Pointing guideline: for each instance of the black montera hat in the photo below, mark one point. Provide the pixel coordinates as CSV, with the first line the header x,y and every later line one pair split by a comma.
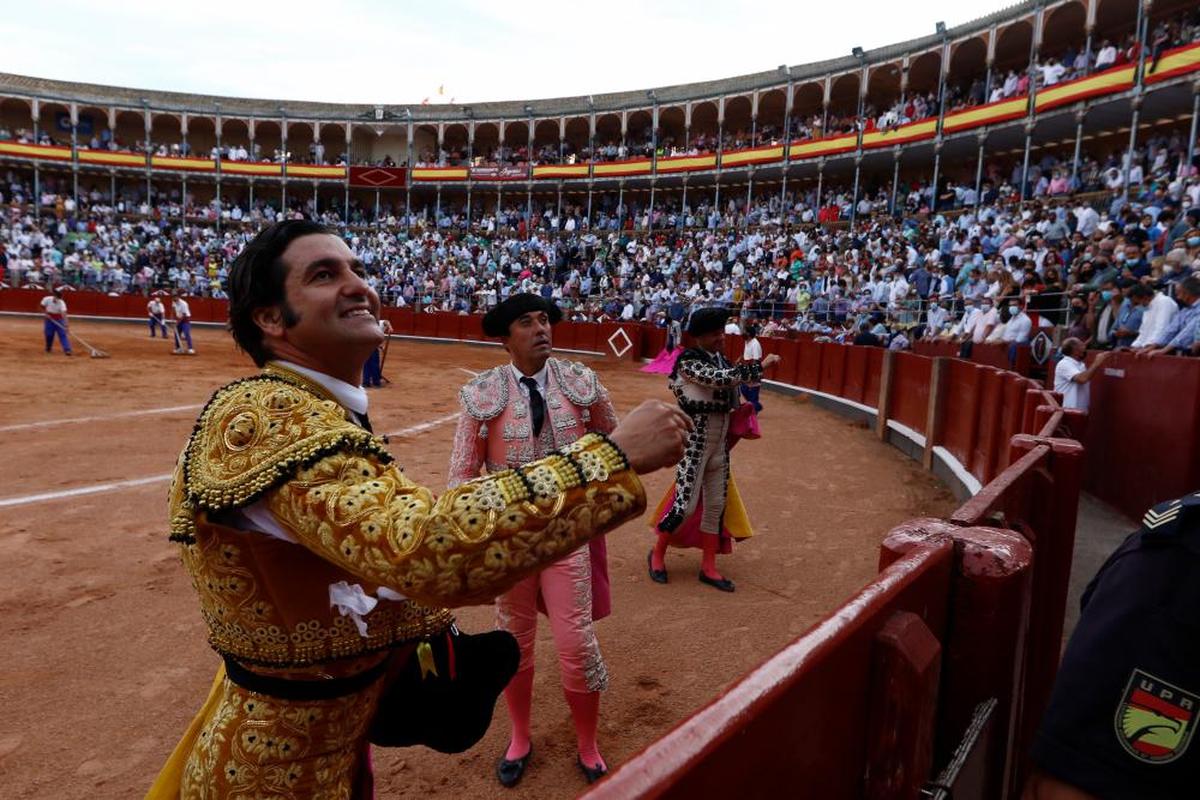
x,y
496,321
707,320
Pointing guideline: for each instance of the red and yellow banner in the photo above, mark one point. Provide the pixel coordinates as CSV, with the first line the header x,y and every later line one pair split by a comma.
x,y
316,171
38,151
112,159
673,164
1117,79
1173,63
551,171
986,114
912,132
620,169
437,174
255,168
823,147
753,155
183,164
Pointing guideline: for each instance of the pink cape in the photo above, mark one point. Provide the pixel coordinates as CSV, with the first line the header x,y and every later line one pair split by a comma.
x,y
664,362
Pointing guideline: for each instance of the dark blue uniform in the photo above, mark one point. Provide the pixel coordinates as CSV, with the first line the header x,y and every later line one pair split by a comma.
x,y
1123,715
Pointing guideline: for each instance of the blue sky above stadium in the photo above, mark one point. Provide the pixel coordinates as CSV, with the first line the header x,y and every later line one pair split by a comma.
x,y
451,50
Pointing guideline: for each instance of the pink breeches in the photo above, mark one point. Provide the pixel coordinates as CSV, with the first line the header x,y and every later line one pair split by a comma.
x,y
566,590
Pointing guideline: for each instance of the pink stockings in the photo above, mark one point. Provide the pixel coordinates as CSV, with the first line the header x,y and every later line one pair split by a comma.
x,y
708,560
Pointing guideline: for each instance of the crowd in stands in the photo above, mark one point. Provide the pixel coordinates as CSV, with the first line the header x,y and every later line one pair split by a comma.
x,y
972,268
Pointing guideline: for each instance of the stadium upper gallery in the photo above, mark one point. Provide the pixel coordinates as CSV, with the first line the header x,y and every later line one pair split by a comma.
x,y
1033,91
963,271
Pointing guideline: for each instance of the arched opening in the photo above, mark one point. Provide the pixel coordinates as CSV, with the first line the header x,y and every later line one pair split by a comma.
x,y
545,142
166,134
54,124
1012,57
966,83
131,131
301,144
235,139
332,143
16,119
808,107
454,144
92,128
362,145
608,137
703,134
268,141
515,149
576,144
1063,48
772,105
639,133
843,103
672,130
201,136
884,109
425,145
487,139
736,132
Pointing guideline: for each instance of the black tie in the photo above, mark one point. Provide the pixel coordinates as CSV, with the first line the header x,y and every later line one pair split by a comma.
x,y
365,421
537,406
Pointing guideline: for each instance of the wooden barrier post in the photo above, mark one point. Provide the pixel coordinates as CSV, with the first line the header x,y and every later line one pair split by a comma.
x,y
984,642
1051,513
935,417
906,664
885,395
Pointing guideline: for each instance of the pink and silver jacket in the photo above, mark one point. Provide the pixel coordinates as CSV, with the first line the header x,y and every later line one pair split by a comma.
x,y
495,432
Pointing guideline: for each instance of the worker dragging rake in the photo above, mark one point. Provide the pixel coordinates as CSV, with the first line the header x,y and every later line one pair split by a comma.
x,y
93,351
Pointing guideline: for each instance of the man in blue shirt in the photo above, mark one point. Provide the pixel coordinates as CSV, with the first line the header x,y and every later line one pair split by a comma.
x,y
1180,333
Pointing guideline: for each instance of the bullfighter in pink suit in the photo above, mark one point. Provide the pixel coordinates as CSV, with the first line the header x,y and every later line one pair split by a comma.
x,y
514,414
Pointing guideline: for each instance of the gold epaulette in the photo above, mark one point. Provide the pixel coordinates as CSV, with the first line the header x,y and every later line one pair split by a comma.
x,y
252,435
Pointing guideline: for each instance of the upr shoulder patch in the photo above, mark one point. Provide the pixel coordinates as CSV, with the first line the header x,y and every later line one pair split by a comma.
x,y
1155,719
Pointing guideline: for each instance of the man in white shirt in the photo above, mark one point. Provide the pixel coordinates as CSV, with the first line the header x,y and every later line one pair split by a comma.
x,y
55,321
156,315
183,323
1017,331
732,328
752,352
1071,375
1160,309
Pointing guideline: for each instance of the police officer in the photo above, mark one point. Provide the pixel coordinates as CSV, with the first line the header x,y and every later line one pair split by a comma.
x,y
1126,701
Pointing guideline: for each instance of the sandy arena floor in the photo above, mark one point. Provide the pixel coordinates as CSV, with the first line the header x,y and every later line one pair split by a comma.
x,y
104,659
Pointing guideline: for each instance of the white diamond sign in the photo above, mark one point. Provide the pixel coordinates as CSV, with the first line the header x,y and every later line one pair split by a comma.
x,y
622,337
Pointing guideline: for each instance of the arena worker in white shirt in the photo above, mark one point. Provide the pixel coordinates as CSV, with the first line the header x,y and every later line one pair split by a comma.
x,y
1071,375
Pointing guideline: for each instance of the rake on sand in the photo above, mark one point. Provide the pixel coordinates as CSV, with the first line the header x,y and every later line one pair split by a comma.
x,y
94,352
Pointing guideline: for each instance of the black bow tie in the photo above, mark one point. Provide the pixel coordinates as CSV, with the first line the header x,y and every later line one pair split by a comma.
x,y
537,406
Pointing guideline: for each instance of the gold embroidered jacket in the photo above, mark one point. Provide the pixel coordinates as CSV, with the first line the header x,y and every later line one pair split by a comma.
x,y
280,439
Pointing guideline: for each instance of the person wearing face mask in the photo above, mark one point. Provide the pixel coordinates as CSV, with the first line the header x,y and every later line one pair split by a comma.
x,y
1129,319
1017,331
1157,312
1110,305
977,329
1179,336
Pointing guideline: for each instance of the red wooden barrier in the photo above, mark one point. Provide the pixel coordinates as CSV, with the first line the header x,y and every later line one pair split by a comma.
x,y
802,719
960,424
854,376
833,369
808,365
447,325
425,324
910,390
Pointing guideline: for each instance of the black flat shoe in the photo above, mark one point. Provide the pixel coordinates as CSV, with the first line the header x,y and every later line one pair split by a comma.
x,y
509,772
656,575
724,584
592,774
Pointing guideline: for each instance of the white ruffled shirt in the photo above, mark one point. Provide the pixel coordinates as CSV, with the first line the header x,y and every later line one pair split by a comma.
x,y
350,599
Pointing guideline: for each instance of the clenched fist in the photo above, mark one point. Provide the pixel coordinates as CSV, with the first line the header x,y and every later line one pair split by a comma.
x,y
652,436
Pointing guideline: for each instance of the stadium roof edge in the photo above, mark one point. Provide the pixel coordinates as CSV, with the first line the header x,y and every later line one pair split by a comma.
x,y
237,107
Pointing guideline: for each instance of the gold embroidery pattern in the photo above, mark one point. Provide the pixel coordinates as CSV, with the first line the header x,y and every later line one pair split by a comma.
x,y
258,746
474,542
242,623
252,435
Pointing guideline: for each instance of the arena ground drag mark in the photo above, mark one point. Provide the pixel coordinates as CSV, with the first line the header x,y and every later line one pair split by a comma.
x,y
99,488
98,418
470,372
